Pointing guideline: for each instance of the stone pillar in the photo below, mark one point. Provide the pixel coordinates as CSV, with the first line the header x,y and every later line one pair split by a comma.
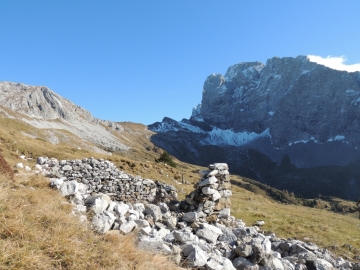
x,y
212,193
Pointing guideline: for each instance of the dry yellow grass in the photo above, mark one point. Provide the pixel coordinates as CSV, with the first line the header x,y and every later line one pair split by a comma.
x,y
37,231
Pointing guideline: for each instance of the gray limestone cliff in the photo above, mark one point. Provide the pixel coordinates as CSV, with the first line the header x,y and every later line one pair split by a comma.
x,y
292,97
281,123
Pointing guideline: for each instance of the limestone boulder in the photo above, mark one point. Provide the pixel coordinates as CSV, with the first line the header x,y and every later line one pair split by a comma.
x,y
102,222
209,232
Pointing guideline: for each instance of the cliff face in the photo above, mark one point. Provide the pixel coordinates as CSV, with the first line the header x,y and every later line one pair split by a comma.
x,y
40,102
295,99
41,107
258,116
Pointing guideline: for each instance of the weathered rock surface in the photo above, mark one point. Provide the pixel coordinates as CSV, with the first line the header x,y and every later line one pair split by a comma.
x,y
40,106
287,117
191,241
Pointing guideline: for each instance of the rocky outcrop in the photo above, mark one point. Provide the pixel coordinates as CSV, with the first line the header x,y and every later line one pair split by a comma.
x,y
41,107
40,102
183,233
292,97
284,120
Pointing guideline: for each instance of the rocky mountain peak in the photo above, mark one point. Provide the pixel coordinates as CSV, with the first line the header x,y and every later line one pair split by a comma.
x,y
253,97
256,114
43,108
40,102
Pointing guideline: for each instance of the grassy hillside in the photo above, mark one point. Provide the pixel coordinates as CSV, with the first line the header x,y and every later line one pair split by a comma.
x,y
38,232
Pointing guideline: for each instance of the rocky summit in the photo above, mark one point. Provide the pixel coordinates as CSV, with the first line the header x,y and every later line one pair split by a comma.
x,y
198,232
290,123
41,107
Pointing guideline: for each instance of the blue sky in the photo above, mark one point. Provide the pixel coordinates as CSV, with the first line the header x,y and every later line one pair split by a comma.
x,y
139,61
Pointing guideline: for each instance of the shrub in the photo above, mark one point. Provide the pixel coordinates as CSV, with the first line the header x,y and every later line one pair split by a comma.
x,y
166,158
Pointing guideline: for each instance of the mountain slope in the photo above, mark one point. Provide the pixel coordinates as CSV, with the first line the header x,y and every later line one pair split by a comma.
x,y
290,123
43,108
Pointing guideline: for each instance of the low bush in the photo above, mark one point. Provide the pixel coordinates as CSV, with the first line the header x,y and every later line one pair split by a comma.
x,y
166,158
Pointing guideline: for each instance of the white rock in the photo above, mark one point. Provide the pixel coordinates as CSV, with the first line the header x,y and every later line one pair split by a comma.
x,y
134,214
287,265
153,245
128,227
56,182
22,157
41,160
259,223
111,206
224,213
196,257
190,217
277,264
38,167
213,173
69,188
154,211
208,191
225,193
78,209
217,262
61,163
139,207
242,263
102,222
77,199
145,230
208,181
276,254
20,166
141,223
67,168
209,232
98,203
82,188
121,209
163,207
185,236
221,166
216,196
162,232
266,244
322,264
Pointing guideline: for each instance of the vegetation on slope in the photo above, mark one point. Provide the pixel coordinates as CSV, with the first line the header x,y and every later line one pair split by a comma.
x,y
166,158
37,230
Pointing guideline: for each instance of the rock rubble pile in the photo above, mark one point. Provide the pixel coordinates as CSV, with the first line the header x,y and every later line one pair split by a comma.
x,y
198,232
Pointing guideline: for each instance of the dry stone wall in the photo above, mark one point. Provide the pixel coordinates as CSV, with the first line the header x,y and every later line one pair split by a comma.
x,y
102,176
198,232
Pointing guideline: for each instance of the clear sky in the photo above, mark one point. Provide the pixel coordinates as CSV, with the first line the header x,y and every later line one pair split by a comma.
x,y
139,61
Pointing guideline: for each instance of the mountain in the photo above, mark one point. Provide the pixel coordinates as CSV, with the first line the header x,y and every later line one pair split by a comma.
x,y
290,123
43,108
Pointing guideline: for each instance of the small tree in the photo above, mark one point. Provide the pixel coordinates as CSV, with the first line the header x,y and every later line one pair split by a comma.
x,y
166,158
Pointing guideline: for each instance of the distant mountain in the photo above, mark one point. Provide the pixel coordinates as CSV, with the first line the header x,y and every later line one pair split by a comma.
x,y
41,107
291,123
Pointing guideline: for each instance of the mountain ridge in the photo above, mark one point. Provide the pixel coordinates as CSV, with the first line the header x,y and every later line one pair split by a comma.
x,y
289,107
43,108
